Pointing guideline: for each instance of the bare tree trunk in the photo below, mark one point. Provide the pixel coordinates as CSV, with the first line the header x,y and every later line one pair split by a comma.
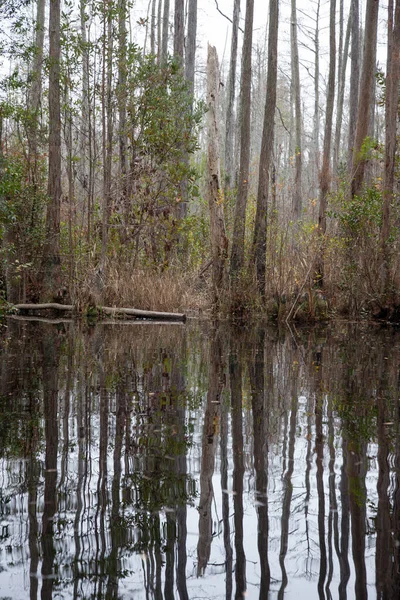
x,y
354,78
190,56
330,100
297,199
159,31
230,119
237,254
85,124
153,28
341,87
219,242
267,144
51,250
391,112
364,103
165,31
107,128
122,100
316,125
179,30
35,92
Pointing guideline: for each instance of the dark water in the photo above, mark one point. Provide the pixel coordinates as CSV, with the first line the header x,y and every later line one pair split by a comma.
x,y
157,462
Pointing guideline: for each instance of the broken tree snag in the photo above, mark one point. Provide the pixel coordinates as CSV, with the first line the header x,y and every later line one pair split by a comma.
x,y
107,310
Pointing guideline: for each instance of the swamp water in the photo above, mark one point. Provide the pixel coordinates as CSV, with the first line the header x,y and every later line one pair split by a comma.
x,y
145,461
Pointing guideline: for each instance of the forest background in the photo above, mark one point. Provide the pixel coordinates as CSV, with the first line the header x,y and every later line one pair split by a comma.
x,y
137,171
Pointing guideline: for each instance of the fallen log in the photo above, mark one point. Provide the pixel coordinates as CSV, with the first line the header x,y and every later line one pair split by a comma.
x,y
107,310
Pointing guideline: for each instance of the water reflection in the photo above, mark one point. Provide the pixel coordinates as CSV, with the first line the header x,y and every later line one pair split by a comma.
x,y
170,462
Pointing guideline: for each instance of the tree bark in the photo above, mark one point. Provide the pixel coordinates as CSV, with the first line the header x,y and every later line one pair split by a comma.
x,y
364,103
237,254
230,117
341,88
391,112
122,101
330,100
296,199
35,92
219,242
190,56
51,250
354,78
153,28
165,31
267,144
316,125
179,30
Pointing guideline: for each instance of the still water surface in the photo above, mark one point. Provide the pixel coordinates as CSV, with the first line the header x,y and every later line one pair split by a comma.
x,y
145,461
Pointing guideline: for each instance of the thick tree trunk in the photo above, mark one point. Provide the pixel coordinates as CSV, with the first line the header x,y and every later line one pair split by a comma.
x,y
267,143
219,242
122,101
296,198
391,112
230,115
51,251
316,124
364,104
85,133
159,31
153,28
237,254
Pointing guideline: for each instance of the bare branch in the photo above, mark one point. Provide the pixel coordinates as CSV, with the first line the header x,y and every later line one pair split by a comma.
x,y
226,17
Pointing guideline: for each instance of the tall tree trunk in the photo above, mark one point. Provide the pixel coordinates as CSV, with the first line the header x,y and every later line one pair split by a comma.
x,y
85,119
296,198
219,241
107,127
122,100
159,31
267,143
316,124
330,100
153,28
354,78
51,250
237,254
190,55
35,92
391,112
364,103
179,30
230,118
340,95
165,31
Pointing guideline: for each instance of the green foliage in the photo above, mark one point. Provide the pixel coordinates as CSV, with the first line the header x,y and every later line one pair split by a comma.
x,y
361,215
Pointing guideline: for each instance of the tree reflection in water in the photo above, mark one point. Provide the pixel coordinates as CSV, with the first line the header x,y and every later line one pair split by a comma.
x,y
170,462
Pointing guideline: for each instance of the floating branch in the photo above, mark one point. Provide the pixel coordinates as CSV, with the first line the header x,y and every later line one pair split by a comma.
x,y
107,310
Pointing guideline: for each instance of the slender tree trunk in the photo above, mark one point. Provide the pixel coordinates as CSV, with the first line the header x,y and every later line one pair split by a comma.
x,y
179,30
296,199
330,100
316,125
165,31
354,78
230,118
340,96
391,112
122,101
159,31
364,104
267,144
107,119
85,125
190,56
35,92
237,254
51,250
153,28
219,241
